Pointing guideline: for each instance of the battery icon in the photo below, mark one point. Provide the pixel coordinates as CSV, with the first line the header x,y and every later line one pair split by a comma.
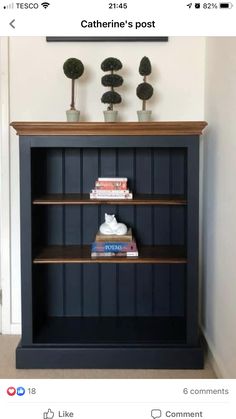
x,y
226,5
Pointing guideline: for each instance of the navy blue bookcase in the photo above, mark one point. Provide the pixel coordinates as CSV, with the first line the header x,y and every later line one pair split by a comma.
x,y
79,312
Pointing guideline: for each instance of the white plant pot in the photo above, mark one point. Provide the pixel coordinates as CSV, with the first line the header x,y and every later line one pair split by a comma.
x,y
110,116
144,116
72,115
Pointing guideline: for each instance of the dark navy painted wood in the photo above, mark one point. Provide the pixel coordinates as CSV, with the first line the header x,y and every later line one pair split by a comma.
x,y
178,171
113,141
161,226
144,290
109,331
73,232
26,250
161,184
54,296
126,290
153,164
177,224
108,162
125,165
73,170
73,297
39,291
73,183
108,290
39,171
192,241
126,273
91,290
89,223
113,357
108,165
161,290
177,290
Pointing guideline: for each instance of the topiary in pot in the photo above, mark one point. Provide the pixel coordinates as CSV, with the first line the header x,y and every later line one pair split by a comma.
x,y
73,69
111,80
144,90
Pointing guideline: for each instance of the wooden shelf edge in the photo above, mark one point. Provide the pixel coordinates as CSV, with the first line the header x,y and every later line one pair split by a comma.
x,y
105,128
112,260
81,254
73,199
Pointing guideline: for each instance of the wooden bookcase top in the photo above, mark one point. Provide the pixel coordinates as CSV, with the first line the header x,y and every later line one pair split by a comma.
x,y
109,128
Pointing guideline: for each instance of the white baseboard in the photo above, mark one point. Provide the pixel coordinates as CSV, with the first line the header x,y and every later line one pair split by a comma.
x,y
12,329
15,329
214,359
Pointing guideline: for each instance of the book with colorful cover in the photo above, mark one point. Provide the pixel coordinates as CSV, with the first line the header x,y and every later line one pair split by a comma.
x,y
96,195
116,247
111,193
113,254
111,185
128,237
112,179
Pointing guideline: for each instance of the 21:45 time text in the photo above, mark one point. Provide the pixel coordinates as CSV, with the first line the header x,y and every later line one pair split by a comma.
x,y
117,5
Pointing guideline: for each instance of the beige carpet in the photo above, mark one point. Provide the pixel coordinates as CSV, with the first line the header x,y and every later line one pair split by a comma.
x,y
7,368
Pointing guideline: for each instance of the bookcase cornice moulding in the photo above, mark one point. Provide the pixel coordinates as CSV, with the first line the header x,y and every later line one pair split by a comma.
x,y
119,128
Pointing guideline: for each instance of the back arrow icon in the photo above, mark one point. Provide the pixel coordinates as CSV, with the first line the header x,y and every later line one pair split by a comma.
x,y
11,23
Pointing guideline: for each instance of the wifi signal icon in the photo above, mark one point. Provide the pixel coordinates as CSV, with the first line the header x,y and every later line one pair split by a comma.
x,y
45,4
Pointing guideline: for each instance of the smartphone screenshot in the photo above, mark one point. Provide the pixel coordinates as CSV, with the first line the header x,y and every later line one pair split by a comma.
x,y
117,209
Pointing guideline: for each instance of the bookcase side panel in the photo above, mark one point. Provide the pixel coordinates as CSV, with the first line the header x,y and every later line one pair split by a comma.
x,y
26,243
192,241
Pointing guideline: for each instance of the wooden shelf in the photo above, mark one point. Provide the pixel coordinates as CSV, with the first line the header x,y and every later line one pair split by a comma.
x,y
106,128
83,199
82,254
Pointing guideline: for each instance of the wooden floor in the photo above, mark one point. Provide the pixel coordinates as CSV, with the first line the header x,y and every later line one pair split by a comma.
x,y
7,368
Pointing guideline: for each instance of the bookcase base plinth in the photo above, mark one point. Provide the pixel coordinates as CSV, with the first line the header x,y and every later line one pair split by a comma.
x,y
164,357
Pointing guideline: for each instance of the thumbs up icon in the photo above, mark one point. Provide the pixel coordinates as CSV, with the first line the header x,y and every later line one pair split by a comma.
x,y
48,415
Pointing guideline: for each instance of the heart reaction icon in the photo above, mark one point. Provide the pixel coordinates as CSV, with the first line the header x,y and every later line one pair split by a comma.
x,y
11,391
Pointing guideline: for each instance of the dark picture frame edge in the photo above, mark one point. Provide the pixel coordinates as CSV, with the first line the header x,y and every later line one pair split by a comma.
x,y
107,38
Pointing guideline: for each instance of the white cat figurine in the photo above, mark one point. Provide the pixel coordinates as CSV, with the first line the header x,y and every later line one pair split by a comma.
x,y
111,226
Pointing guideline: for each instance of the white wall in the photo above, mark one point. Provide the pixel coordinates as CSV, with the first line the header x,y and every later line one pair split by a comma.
x,y
5,269
219,272
40,91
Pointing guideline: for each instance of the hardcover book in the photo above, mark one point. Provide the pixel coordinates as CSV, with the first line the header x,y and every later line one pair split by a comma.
x,y
97,195
128,237
110,192
110,185
114,247
112,179
113,254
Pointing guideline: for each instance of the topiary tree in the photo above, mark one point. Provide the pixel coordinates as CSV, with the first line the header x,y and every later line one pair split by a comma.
x,y
144,90
73,69
111,80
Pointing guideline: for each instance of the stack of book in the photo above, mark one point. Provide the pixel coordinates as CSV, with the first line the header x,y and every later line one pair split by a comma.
x,y
111,188
114,246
